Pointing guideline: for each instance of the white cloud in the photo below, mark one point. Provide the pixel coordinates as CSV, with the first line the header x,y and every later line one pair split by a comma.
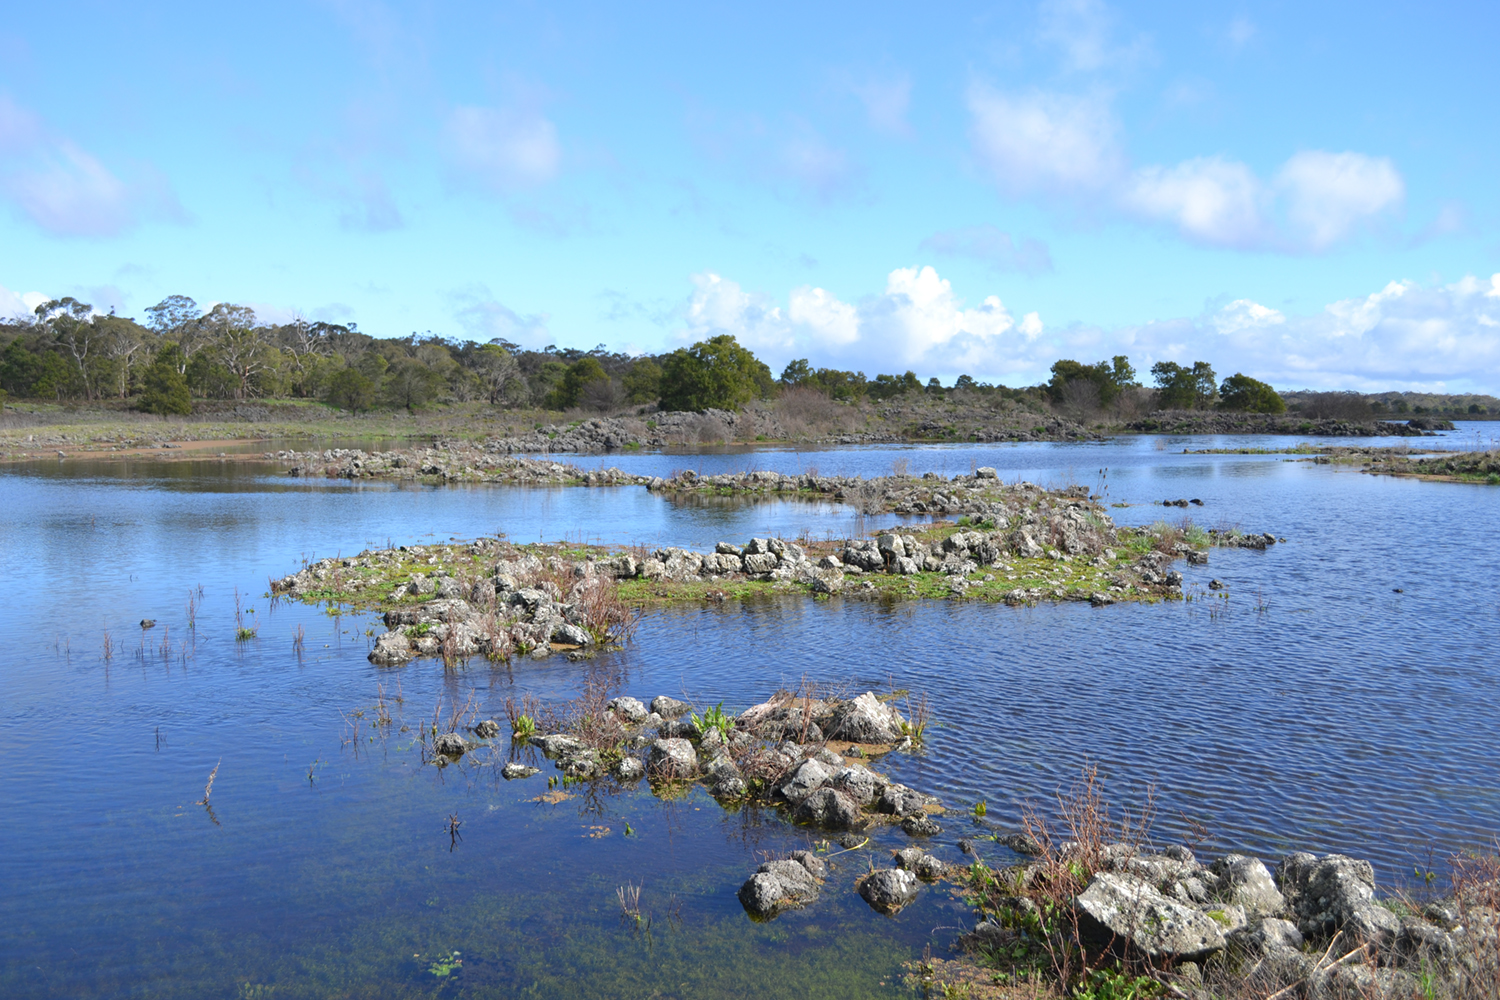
x,y
916,321
722,306
1210,200
1043,142
828,320
66,190
886,104
1329,194
994,247
13,304
1083,32
1244,314
1324,198
1402,336
503,149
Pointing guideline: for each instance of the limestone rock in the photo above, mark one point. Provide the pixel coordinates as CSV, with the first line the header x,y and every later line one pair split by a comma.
x,y
1128,908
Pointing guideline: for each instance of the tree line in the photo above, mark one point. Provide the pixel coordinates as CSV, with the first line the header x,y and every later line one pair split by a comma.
x,y
67,351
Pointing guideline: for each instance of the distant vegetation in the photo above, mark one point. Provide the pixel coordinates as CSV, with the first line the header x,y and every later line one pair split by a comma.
x,y
180,353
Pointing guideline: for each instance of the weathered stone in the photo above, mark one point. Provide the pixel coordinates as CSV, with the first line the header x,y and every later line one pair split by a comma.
x,y
673,758
450,744
889,889
558,744
583,764
778,885
1127,908
865,719
900,800
1246,882
806,779
921,825
629,709
571,635
514,770
828,809
487,729
859,783
668,707
1334,892
680,729
630,769
390,649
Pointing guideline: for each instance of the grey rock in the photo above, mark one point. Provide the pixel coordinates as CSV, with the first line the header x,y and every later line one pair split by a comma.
x,y
1332,893
814,864
449,588
889,889
762,895
806,779
724,779
680,729
1246,882
930,869
450,744
558,744
920,825
859,783
1261,937
629,709
900,800
763,563
487,729
865,719
908,857
672,758
828,809
584,764
1126,907
390,649
985,472
668,707
513,770
571,635
630,769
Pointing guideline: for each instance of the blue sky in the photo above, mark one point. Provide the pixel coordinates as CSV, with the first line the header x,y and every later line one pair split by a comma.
x,y
1307,195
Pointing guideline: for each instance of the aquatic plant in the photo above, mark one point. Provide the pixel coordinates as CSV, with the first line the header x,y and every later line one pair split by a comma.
x,y
714,718
445,965
523,728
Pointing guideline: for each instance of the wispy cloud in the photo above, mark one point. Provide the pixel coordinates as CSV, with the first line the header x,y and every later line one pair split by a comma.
x,y
484,317
502,149
886,102
66,190
1042,142
992,246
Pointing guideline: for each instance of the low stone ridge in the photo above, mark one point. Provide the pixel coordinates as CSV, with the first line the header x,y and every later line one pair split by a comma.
x,y
1170,909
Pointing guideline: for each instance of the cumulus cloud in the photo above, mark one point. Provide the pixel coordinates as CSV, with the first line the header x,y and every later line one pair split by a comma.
x,y
483,317
1043,142
1210,200
1329,194
994,247
15,304
66,190
502,149
1317,199
1401,336
917,320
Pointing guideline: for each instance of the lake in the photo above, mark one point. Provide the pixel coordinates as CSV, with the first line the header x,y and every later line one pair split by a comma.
x,y
1317,708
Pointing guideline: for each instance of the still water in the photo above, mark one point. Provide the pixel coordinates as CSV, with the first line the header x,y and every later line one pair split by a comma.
x,y
1317,708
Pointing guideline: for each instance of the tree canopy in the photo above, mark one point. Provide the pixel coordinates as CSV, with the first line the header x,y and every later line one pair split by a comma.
x,y
716,373
1241,392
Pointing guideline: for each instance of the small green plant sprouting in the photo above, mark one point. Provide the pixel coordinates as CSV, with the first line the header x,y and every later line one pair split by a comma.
x,y
446,965
1113,984
714,718
980,809
525,728
914,726
244,634
419,630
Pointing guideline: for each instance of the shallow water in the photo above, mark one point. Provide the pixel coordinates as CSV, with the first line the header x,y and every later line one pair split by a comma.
x,y
1315,709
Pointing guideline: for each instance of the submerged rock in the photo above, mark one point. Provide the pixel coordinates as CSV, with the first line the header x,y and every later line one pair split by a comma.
x,y
513,770
450,744
487,729
889,889
673,758
779,885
